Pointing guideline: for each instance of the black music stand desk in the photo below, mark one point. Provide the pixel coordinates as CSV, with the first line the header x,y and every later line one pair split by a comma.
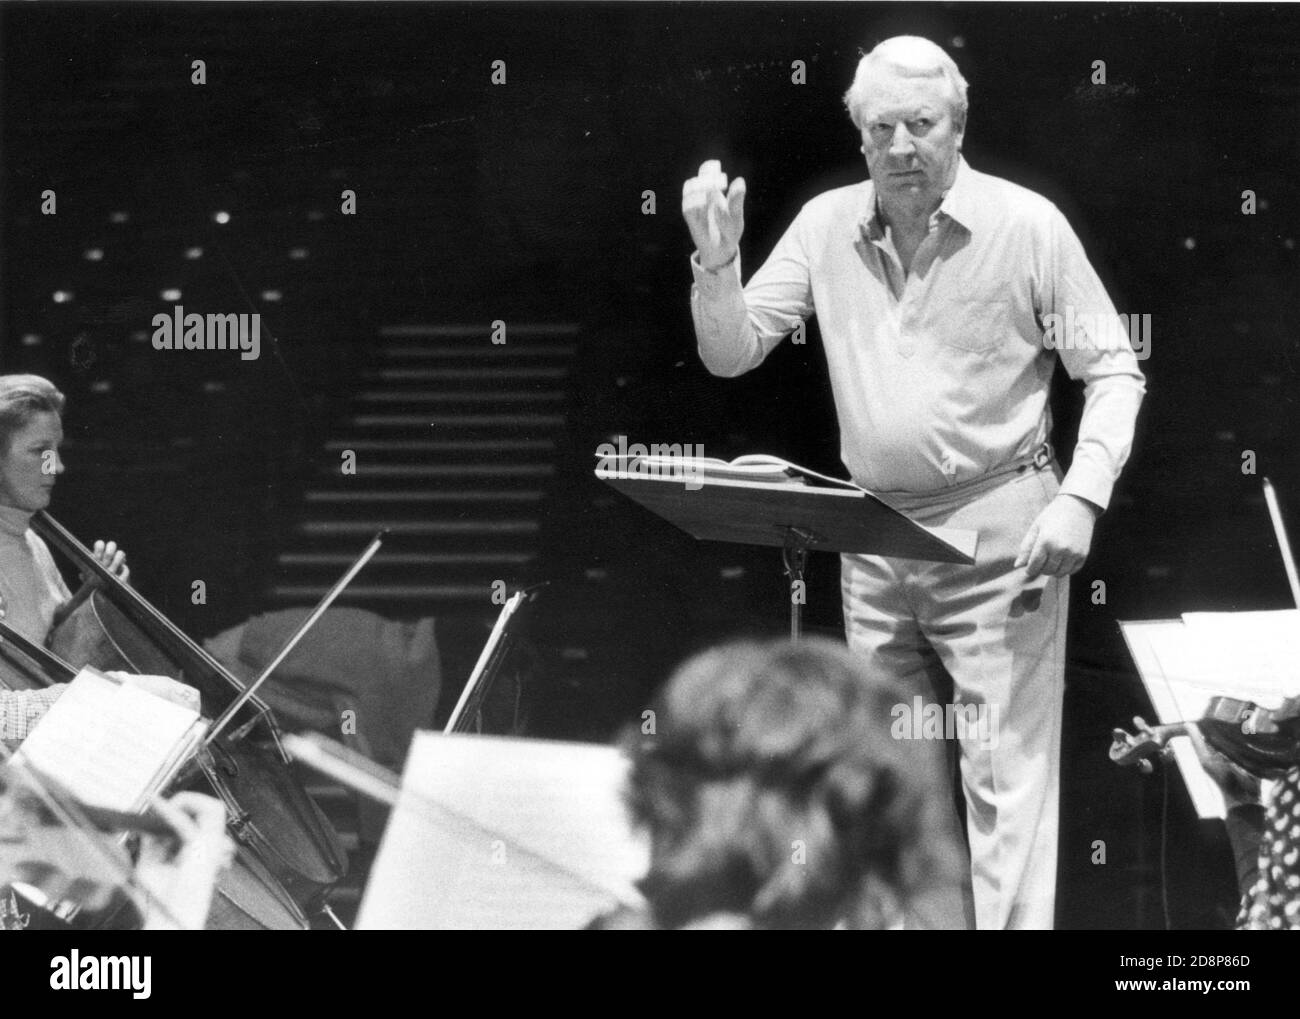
x,y
793,517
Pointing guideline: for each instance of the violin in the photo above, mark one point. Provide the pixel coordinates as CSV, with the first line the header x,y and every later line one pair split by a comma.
x,y
69,858
1262,741
247,896
65,856
116,628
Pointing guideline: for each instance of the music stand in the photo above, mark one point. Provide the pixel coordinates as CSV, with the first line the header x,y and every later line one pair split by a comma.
x,y
490,662
793,517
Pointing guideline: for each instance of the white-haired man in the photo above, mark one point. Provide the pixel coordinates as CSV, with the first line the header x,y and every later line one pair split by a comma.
x,y
931,283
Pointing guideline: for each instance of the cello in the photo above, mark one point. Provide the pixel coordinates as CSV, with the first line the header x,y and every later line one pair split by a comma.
x,y
271,814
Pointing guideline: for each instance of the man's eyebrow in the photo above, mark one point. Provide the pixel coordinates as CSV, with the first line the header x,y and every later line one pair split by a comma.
x,y
912,113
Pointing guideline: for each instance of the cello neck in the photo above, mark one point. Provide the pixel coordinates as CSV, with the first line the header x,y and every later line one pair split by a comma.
x,y
156,625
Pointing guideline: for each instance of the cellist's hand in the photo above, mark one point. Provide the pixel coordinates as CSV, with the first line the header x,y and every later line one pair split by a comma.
x,y
162,686
113,559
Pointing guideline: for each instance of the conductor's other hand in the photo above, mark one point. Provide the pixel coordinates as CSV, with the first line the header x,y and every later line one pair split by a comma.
x,y
112,559
715,214
1058,540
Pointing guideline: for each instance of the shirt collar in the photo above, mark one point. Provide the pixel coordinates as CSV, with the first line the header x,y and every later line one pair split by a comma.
x,y
960,204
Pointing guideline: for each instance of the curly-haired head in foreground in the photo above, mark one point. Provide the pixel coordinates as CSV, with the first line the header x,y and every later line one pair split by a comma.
x,y
774,792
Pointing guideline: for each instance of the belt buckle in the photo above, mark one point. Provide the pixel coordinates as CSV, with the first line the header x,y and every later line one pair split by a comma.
x,y
1043,456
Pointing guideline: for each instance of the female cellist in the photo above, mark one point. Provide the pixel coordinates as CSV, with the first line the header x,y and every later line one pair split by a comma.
x,y
32,592
271,814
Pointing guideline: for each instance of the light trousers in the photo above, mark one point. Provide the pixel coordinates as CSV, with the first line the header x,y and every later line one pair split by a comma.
x,y
987,638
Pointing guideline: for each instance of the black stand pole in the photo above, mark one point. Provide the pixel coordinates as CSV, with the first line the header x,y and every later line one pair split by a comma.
x,y
795,555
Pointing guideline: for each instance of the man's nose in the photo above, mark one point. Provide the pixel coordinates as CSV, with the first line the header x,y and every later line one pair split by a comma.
x,y
901,142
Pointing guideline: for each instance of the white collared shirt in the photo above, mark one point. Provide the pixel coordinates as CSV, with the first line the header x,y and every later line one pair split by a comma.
x,y
942,375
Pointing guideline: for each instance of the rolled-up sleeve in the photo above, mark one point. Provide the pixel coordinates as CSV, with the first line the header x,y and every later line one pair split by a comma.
x,y
1093,343
735,327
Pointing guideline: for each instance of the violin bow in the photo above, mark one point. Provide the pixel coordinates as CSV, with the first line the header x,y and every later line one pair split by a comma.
x,y
249,691
1284,545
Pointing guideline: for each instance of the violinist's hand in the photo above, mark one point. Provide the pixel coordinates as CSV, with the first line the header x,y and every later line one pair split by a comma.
x,y
715,215
1238,785
112,559
181,883
1058,541
163,686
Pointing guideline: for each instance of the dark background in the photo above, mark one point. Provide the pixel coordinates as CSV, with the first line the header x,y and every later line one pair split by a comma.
x,y
523,202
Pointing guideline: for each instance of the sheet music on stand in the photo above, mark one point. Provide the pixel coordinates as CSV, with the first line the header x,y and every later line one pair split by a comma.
x,y
110,743
494,833
1183,663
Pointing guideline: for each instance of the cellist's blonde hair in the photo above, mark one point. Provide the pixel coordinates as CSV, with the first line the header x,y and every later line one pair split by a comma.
x,y
22,397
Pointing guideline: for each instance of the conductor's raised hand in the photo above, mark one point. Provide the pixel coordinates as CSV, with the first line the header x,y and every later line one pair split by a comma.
x,y
715,214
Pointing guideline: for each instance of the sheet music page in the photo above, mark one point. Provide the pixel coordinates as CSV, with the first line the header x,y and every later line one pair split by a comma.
x,y
1169,670
1249,655
108,742
495,833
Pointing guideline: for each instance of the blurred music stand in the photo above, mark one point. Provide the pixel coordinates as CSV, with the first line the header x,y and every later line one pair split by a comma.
x,y
492,833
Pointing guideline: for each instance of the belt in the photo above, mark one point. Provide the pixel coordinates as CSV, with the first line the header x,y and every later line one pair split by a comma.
x,y
1039,459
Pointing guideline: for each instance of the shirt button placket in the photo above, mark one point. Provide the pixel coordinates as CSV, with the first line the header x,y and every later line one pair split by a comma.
x,y
906,334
